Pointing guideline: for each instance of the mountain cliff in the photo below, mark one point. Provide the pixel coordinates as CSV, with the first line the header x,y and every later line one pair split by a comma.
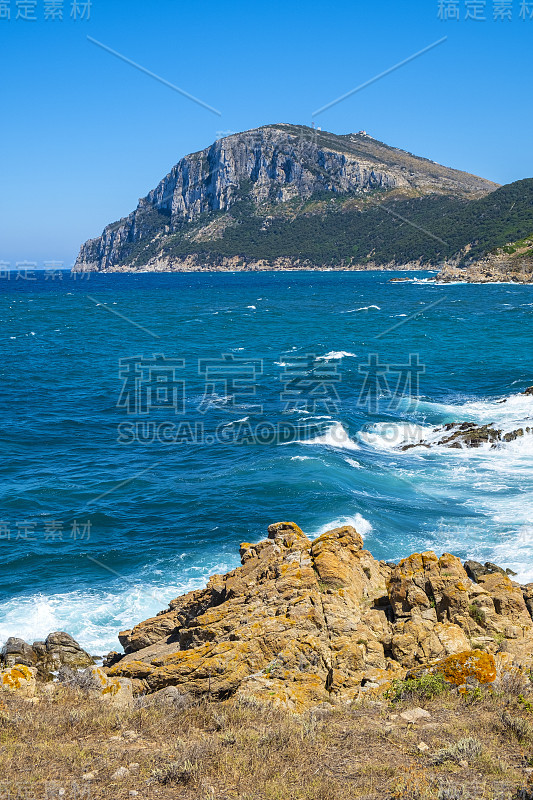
x,y
232,205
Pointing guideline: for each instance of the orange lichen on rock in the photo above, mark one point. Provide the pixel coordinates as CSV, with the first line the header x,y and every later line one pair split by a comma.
x,y
18,678
116,690
472,665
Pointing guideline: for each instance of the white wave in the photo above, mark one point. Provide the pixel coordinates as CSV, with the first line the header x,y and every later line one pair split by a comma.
x,y
473,283
516,552
235,421
336,436
420,280
335,355
361,525
302,458
363,308
394,436
353,463
391,435
94,618
254,307
510,412
510,545
219,399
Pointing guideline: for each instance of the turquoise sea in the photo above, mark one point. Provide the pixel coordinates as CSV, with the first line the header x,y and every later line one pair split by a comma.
x,y
151,423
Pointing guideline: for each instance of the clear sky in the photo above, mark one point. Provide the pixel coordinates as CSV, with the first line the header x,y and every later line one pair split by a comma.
x,y
85,134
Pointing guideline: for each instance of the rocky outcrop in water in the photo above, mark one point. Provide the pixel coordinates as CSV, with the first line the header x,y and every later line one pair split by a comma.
x,y
302,622
469,434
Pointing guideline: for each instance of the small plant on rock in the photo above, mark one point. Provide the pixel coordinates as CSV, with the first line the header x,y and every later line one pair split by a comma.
x,y
477,614
527,704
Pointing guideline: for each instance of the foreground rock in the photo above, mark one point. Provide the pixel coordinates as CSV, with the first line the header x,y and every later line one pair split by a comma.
x,y
117,691
58,650
18,679
302,622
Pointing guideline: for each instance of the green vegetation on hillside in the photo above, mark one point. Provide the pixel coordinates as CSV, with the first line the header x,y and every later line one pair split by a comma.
x,y
349,229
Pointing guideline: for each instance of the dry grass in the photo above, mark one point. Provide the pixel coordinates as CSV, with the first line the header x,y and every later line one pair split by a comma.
x,y
478,747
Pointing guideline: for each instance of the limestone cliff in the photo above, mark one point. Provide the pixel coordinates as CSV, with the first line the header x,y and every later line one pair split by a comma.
x,y
277,171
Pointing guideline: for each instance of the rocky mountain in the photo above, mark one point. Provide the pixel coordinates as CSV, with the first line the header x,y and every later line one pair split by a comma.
x,y
285,196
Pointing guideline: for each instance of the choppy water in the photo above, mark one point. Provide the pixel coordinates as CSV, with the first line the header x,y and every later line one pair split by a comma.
x,y
105,519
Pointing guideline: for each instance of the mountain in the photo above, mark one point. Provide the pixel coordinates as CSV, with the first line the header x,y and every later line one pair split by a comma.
x,y
292,196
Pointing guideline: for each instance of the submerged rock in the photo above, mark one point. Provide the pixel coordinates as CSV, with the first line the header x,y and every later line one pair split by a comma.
x,y
305,622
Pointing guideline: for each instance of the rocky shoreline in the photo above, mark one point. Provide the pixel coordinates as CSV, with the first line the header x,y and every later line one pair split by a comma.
x,y
301,623
510,264
469,434
195,263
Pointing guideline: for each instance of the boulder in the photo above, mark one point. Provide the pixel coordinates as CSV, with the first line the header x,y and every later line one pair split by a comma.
x,y
171,697
59,650
474,668
18,679
117,691
63,650
17,651
414,715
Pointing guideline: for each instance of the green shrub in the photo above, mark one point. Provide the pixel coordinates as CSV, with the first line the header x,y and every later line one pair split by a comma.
x,y
423,688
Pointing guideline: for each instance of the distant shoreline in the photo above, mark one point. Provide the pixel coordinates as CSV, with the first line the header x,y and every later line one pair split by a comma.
x,y
234,269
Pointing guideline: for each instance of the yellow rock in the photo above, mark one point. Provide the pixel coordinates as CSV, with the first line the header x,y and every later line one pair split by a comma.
x,y
19,679
300,623
117,691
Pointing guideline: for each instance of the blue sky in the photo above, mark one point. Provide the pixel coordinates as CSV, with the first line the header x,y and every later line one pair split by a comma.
x,y
86,134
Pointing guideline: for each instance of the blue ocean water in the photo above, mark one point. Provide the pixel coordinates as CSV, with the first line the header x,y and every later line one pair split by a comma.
x,y
135,457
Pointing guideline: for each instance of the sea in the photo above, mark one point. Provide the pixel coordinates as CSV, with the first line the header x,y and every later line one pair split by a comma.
x,y
150,423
